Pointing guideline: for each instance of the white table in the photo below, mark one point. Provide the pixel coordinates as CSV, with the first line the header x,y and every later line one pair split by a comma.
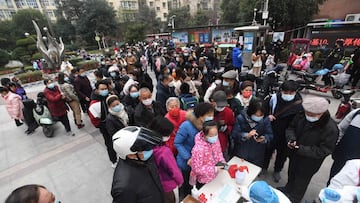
x,y
223,179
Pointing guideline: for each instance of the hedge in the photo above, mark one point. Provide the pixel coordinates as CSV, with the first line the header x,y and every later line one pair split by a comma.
x,y
30,76
88,65
75,61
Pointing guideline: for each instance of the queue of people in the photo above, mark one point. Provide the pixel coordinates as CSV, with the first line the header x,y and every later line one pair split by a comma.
x,y
157,146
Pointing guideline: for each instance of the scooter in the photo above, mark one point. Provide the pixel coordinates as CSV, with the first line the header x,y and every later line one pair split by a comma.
x,y
42,115
346,104
309,81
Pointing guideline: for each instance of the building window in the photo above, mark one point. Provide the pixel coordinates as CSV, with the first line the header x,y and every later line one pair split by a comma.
x,y
164,5
44,3
128,5
158,8
32,4
20,3
165,15
50,14
151,4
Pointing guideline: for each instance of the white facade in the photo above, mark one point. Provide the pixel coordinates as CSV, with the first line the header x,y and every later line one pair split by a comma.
x,y
161,8
126,10
9,7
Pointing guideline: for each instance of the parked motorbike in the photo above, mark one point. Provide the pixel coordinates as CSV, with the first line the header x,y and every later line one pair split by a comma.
x,y
309,81
346,104
42,115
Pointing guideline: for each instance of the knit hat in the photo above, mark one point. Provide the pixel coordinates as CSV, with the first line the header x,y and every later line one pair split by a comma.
x,y
220,99
316,105
260,191
112,98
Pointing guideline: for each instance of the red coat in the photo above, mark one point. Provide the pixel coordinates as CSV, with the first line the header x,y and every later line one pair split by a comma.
x,y
56,104
228,117
176,122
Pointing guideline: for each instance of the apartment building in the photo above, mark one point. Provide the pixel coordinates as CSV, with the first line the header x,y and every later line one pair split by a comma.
x,y
9,7
161,8
195,5
126,10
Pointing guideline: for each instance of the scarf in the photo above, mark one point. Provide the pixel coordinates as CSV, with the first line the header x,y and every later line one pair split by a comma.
x,y
245,101
122,115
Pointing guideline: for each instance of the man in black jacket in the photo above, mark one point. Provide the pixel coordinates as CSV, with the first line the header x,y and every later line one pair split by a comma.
x,y
311,137
165,89
147,109
136,178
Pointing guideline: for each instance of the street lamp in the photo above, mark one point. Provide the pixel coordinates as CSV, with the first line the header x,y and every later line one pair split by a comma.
x,y
172,22
254,19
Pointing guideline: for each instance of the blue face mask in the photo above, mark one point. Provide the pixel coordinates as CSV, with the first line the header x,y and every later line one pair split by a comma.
x,y
134,94
208,118
226,84
104,93
256,118
311,119
117,108
113,74
51,86
66,79
213,139
287,97
205,71
147,155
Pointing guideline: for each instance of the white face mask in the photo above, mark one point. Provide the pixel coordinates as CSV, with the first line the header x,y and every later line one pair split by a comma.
x,y
165,139
311,119
219,109
218,82
171,84
147,102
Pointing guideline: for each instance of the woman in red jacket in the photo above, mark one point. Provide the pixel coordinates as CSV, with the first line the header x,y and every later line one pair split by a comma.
x,y
57,105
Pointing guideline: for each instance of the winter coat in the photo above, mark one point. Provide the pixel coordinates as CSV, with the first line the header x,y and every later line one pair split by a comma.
x,y
348,176
170,175
143,115
163,93
185,139
248,148
204,158
83,87
69,92
113,124
315,140
136,182
130,105
235,105
14,105
21,92
98,110
176,121
237,58
227,116
56,103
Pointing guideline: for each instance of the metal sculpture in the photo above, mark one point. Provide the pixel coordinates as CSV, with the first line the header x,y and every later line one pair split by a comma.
x,y
51,51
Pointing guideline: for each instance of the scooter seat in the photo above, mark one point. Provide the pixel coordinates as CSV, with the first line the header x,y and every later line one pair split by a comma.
x,y
347,93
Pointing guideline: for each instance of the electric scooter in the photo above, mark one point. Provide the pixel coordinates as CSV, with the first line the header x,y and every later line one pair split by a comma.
x,y
42,115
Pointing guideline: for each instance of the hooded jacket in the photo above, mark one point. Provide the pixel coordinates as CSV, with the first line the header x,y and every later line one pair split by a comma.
x,y
56,103
185,139
98,110
227,116
14,105
204,158
237,58
176,121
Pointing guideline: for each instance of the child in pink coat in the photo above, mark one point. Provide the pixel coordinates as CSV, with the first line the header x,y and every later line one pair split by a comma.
x,y
206,154
13,105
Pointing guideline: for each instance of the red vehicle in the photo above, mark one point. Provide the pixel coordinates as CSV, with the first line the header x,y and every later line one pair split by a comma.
x,y
296,47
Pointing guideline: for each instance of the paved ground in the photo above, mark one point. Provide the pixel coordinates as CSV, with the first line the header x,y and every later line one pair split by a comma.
x,y
77,169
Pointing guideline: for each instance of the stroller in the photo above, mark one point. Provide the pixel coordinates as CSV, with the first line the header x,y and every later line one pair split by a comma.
x,y
42,115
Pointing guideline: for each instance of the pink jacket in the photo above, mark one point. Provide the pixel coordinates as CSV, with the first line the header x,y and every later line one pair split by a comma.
x,y
204,157
14,105
170,175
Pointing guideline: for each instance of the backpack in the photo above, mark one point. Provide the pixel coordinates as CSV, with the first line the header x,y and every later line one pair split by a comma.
x,y
188,102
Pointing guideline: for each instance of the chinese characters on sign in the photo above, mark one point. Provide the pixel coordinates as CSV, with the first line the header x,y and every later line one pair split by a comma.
x,y
348,42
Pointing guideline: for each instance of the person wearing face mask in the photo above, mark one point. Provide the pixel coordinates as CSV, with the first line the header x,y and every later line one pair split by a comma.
x,y
130,60
98,112
83,89
165,89
206,153
56,104
283,107
246,93
185,137
176,116
216,84
147,109
130,102
311,137
229,80
31,193
224,116
136,177
117,118
170,175
251,133
71,98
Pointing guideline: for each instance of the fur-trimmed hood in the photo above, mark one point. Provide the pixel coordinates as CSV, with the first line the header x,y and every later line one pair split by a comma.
x,y
197,122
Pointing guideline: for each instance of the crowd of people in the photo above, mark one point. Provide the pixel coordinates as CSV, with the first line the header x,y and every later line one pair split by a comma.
x,y
198,117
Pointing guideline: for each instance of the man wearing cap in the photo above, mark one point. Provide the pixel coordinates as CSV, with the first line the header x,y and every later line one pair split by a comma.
x,y
311,137
224,116
229,80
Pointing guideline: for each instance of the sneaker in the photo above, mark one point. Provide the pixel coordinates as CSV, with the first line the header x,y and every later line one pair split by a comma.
x,y
113,165
70,133
276,176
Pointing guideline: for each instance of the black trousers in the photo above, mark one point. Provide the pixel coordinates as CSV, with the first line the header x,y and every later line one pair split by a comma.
x,y
84,105
301,170
65,121
109,144
280,146
186,187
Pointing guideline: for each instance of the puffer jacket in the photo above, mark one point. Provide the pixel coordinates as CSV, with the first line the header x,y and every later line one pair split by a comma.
x,y
204,158
176,121
227,116
14,105
56,103
136,182
69,92
185,139
237,58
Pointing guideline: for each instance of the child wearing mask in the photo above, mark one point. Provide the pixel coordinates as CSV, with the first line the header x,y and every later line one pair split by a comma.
x,y
206,154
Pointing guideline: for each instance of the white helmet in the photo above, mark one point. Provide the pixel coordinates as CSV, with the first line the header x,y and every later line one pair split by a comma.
x,y
132,139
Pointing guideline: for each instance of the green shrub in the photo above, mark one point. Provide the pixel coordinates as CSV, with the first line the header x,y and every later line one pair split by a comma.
x,y
4,57
75,61
32,48
18,52
36,56
31,76
24,42
88,65
28,68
